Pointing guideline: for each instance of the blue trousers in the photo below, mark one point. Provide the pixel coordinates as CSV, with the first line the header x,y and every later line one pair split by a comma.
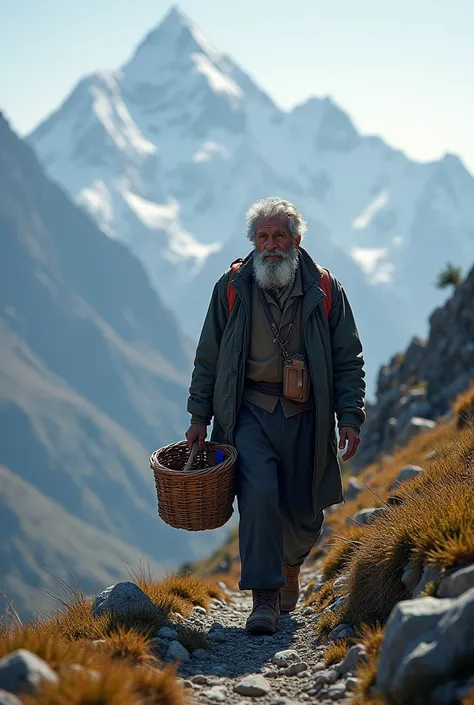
x,y
274,493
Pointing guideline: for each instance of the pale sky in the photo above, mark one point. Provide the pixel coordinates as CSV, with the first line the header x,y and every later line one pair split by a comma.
x,y
402,69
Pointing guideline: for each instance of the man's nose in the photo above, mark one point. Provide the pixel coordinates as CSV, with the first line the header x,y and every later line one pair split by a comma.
x,y
270,244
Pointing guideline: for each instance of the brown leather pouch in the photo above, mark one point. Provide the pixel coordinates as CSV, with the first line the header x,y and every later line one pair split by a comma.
x,y
296,381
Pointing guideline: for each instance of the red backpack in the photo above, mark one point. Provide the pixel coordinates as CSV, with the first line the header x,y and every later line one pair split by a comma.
x,y
325,283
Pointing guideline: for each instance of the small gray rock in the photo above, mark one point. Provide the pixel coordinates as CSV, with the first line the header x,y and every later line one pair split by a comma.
x,y
307,611
342,631
352,683
457,583
200,610
253,685
284,658
121,598
8,698
216,694
408,472
337,691
327,677
366,516
168,633
295,668
336,605
352,659
22,671
216,626
177,652
200,679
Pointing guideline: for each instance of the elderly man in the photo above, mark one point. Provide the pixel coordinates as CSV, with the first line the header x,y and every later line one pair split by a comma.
x,y
278,358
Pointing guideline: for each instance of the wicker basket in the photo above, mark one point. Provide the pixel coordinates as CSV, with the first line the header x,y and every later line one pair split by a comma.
x,y
193,494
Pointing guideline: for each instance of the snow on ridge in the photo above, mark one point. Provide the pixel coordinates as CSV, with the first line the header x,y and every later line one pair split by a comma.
x,y
209,150
165,216
366,217
218,81
371,261
96,199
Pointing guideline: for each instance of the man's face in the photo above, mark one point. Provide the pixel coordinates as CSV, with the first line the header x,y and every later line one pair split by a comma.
x,y
273,236
276,253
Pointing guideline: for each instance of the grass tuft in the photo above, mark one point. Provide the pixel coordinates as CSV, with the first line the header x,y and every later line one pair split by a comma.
x,y
336,652
128,645
341,551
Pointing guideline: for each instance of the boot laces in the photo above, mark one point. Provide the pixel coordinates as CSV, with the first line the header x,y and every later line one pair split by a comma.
x,y
266,598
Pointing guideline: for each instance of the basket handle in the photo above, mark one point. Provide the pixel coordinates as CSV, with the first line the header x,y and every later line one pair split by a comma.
x,y
192,457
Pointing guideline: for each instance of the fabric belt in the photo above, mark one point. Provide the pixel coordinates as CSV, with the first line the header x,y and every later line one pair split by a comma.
x,y
274,389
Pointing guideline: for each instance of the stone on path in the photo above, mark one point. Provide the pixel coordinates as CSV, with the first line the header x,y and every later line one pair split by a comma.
x,y
177,652
284,658
352,659
337,691
22,671
8,698
253,685
295,668
216,694
457,583
424,641
201,654
342,631
122,598
327,677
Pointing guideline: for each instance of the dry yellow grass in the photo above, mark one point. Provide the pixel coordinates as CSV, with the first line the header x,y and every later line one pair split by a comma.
x,y
463,407
341,549
119,669
372,640
128,645
336,652
434,525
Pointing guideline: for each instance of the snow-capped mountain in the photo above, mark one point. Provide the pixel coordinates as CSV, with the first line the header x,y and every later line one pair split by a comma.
x,y
167,152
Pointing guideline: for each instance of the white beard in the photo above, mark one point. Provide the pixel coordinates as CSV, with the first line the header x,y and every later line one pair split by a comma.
x,y
275,274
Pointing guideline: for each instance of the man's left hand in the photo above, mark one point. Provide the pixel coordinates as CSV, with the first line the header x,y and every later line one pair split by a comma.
x,y
352,437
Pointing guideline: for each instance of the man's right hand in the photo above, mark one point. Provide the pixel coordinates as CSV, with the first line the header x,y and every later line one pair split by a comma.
x,y
196,432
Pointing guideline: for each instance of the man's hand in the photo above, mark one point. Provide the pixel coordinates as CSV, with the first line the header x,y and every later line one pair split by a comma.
x,y
351,436
196,432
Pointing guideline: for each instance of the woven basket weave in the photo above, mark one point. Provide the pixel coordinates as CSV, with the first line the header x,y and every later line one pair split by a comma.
x,y
191,495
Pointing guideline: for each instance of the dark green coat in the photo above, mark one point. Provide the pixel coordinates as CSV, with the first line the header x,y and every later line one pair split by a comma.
x,y
334,354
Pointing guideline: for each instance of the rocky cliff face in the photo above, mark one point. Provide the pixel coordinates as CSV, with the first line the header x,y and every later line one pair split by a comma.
x,y
417,387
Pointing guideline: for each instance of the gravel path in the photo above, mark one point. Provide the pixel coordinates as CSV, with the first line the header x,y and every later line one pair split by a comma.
x,y
239,667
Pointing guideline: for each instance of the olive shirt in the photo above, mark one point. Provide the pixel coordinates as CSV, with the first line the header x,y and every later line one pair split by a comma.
x,y
265,360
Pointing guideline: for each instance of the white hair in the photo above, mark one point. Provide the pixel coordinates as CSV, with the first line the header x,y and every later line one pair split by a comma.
x,y
272,207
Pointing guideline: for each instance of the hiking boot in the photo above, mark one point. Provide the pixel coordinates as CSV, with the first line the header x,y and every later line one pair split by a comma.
x,y
291,592
265,613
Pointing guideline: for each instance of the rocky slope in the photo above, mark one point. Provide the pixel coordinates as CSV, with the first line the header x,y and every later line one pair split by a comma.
x,y
167,152
418,386
93,377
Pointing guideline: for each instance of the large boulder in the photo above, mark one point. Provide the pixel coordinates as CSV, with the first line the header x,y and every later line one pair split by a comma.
x,y
22,672
457,583
122,598
425,641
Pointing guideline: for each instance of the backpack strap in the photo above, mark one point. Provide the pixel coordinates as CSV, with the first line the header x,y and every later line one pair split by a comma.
x,y
231,292
326,285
